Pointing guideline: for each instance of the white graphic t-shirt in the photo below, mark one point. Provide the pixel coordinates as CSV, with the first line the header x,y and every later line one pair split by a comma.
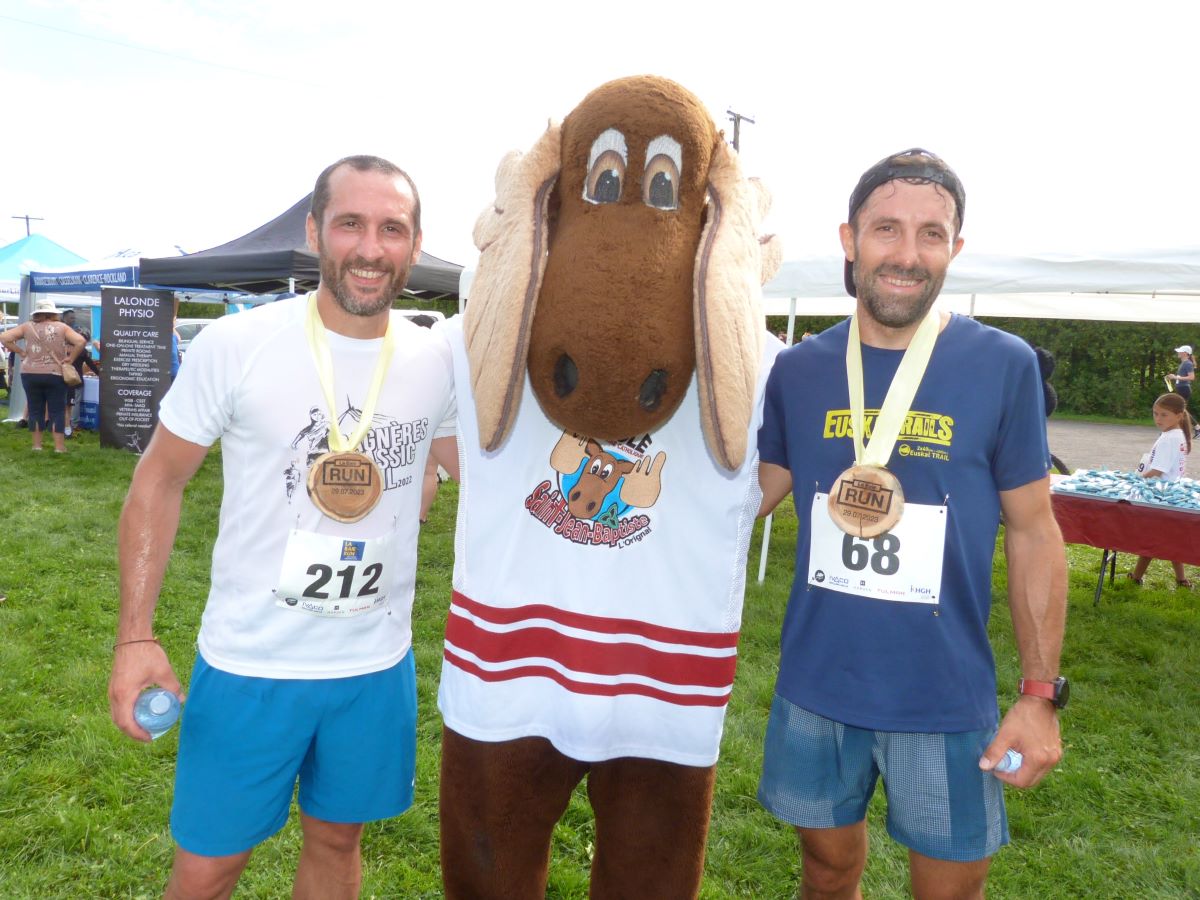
x,y
296,594
597,586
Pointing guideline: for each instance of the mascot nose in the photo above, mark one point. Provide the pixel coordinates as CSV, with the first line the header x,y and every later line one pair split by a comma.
x,y
652,390
566,375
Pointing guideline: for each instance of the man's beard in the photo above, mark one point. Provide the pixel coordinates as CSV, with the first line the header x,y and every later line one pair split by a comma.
x,y
896,312
336,278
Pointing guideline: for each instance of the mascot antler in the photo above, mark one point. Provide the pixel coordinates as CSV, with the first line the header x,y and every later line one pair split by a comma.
x,y
732,265
621,256
511,237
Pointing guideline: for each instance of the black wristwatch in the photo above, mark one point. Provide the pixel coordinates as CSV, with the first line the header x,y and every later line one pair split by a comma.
x,y
1057,691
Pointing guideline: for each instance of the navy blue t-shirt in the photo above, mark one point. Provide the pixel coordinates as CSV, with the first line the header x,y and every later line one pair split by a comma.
x,y
977,426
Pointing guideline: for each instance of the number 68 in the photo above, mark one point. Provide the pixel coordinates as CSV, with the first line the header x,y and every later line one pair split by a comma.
x,y
884,561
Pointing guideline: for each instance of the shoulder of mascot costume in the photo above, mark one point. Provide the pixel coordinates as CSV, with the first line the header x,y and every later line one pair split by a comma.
x,y
621,256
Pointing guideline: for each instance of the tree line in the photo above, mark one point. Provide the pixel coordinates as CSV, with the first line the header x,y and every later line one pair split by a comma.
x,y
1102,368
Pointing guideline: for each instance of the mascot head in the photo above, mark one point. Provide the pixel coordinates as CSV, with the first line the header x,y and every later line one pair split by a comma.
x,y
622,256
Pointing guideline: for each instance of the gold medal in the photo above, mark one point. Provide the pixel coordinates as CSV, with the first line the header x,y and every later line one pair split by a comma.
x,y
345,486
866,501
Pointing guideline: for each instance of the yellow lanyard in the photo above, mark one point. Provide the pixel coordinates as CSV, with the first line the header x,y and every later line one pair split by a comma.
x,y
319,344
898,402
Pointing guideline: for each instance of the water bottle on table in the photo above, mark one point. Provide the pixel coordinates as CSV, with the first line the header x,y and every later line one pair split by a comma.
x,y
156,710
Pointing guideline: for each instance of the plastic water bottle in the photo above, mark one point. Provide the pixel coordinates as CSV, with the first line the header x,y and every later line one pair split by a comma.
x,y
156,710
1011,762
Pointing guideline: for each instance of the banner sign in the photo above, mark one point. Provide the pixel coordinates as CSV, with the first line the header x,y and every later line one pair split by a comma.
x,y
135,346
83,282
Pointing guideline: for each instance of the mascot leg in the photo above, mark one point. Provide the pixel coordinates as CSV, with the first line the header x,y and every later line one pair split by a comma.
x,y
651,825
499,803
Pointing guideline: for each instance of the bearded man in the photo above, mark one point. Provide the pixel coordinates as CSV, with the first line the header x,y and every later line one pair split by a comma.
x,y
305,667
904,433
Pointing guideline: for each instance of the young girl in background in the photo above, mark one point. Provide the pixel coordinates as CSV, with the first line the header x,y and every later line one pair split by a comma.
x,y
1166,460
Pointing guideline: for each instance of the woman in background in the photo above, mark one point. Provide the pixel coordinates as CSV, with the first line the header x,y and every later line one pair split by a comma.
x,y
1185,375
49,344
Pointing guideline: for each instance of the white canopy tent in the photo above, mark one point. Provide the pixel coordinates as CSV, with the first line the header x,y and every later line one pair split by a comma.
x,y
1143,286
1148,286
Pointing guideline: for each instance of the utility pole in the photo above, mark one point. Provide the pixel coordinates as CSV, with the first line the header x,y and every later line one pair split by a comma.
x,y
37,219
737,118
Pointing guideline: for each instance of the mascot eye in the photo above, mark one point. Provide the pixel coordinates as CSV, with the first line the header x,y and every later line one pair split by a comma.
x,y
660,187
594,468
606,472
660,183
604,179
606,168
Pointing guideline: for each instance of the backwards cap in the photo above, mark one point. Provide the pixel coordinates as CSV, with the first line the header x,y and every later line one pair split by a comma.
x,y
910,165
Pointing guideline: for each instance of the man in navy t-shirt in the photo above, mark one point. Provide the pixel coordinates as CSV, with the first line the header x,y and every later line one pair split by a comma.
x,y
886,669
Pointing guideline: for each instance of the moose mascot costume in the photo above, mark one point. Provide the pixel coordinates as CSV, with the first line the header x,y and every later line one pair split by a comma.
x,y
610,368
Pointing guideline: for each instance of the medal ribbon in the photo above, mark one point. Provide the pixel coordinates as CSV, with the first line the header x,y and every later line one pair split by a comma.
x,y
319,344
898,402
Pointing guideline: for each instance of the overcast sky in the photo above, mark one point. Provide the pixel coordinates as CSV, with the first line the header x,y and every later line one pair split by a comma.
x,y
1074,126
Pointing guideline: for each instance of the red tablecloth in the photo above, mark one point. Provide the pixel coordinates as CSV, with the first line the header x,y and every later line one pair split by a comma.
x,y
1143,530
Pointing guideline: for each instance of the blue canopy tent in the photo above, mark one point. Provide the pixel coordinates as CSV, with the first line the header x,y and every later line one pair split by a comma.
x,y
32,252
119,270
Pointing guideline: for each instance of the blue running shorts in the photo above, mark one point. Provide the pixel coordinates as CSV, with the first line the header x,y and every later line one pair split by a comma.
x,y
818,773
352,743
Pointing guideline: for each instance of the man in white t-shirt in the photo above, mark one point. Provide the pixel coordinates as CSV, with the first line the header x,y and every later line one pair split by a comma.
x,y
305,667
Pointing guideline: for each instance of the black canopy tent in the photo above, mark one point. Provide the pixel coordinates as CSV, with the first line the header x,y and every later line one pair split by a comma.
x,y
264,260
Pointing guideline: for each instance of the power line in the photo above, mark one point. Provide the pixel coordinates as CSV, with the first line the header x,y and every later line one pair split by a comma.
x,y
175,56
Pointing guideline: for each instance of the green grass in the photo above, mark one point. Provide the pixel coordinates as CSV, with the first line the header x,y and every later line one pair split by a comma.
x,y
83,810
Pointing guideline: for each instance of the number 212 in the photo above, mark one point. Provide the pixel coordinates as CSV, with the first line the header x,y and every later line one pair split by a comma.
x,y
324,573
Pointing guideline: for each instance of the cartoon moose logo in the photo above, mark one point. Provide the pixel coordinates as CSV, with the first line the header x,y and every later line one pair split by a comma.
x,y
595,481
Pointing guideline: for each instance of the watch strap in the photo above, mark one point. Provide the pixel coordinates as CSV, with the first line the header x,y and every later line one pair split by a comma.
x,y
1047,690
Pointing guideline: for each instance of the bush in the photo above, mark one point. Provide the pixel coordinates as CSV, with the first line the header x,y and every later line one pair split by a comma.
x,y
1105,368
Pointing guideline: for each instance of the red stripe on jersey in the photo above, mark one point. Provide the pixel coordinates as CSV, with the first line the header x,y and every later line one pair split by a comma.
x,y
593,657
584,687
601,624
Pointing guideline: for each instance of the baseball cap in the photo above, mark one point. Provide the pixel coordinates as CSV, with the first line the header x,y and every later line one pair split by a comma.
x,y
1186,348
916,164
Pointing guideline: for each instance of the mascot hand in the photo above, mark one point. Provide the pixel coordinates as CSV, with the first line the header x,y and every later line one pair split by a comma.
x,y
643,485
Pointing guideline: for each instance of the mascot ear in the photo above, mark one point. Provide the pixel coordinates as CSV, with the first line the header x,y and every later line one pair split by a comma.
x,y
731,265
512,239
